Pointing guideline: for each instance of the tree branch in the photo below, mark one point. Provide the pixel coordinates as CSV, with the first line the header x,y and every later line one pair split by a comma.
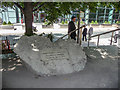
x,y
39,7
17,4
36,4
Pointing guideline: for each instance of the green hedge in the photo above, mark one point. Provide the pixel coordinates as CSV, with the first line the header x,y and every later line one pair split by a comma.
x,y
118,22
92,22
107,22
9,23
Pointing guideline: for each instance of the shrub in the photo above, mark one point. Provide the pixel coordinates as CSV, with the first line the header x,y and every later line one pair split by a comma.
x,y
9,22
107,22
82,22
4,23
92,22
118,22
62,22
77,22
96,22
45,23
66,22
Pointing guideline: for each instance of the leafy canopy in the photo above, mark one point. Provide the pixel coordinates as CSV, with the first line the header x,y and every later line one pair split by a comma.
x,y
54,9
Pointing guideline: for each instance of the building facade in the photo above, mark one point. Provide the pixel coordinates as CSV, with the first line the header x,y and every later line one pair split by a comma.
x,y
101,15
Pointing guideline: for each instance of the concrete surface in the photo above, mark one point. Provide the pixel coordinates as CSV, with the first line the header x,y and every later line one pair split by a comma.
x,y
104,40
0,73
101,71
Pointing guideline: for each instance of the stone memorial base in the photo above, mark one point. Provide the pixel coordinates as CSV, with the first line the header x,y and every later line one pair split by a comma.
x,y
48,58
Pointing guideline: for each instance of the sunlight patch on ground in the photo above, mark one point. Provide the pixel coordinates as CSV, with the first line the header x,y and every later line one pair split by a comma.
x,y
34,48
103,53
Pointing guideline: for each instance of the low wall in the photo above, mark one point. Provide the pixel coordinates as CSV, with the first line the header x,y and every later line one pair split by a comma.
x,y
47,26
7,27
103,25
63,25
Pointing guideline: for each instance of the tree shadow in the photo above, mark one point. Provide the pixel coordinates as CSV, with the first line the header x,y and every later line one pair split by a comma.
x,y
12,63
102,52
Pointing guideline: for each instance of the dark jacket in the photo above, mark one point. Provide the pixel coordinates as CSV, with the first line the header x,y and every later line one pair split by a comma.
x,y
84,31
71,27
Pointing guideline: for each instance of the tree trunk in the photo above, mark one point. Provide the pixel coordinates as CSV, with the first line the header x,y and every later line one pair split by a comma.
x,y
78,33
28,18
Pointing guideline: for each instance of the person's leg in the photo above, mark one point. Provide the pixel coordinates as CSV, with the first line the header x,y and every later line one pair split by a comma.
x,y
115,39
72,37
89,35
85,38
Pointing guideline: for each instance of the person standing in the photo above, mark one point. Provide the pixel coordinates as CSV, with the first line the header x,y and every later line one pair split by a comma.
x,y
71,27
116,36
84,34
90,32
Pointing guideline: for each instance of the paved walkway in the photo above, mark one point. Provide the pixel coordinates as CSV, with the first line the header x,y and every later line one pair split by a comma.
x,y
14,35
101,71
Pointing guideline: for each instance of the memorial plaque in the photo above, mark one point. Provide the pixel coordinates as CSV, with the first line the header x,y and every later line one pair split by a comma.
x,y
54,54
62,57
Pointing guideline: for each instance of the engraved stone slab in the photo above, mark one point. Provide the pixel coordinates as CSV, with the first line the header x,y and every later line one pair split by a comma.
x,y
47,58
54,54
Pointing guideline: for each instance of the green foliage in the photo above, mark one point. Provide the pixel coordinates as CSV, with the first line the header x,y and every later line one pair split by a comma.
x,y
107,22
118,22
63,8
77,22
96,22
4,23
55,9
46,23
82,22
66,22
62,22
116,5
9,23
92,22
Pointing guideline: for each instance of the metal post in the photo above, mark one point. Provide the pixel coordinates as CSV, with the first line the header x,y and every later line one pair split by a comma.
x,y
78,34
111,38
81,36
98,41
88,42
